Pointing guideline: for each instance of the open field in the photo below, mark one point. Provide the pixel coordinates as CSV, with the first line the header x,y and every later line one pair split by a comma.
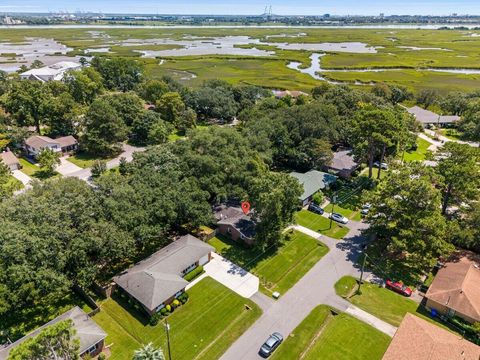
x,y
406,50
324,334
278,270
203,328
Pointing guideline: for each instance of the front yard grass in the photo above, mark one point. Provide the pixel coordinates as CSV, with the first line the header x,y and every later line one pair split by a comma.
x,y
420,153
324,334
27,167
212,319
85,160
278,269
321,224
348,213
381,302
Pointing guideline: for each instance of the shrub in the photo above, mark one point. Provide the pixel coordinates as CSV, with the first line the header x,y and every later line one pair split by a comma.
x,y
318,198
169,308
155,318
175,303
102,356
163,311
183,298
194,273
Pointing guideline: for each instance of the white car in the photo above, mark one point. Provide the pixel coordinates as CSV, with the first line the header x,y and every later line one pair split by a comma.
x,y
338,218
383,165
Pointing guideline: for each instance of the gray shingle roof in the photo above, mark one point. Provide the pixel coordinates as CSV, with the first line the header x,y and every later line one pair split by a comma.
x,y
429,117
343,160
313,181
88,332
155,279
8,158
234,216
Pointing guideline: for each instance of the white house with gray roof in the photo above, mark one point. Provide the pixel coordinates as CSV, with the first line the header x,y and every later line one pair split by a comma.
x,y
313,181
157,280
427,117
90,335
50,72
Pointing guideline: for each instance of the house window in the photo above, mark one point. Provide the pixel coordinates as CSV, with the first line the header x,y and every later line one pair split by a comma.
x,y
229,230
159,307
178,294
93,349
190,268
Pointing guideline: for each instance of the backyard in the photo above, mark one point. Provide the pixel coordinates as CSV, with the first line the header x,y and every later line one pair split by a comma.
x,y
325,334
321,224
420,153
212,319
278,269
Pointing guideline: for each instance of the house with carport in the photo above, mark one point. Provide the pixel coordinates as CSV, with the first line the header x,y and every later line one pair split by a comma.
x,y
90,335
159,279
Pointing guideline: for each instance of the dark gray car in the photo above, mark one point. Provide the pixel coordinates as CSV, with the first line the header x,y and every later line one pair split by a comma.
x,y
271,344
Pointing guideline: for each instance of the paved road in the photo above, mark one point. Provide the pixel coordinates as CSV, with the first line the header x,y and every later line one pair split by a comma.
x,y
444,139
128,150
315,288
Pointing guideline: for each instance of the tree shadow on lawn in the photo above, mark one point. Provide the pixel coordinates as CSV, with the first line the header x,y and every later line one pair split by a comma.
x,y
244,256
45,174
134,310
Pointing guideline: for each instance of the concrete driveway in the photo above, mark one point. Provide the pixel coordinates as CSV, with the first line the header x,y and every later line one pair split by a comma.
x,y
21,176
66,167
232,276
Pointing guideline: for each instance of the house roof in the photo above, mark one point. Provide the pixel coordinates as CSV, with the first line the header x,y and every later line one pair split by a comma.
x,y
155,279
343,161
54,71
457,286
429,117
87,331
293,93
8,158
66,141
313,181
418,339
234,216
38,141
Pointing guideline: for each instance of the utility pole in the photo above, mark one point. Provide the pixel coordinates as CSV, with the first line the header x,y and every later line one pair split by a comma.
x,y
334,200
361,272
167,329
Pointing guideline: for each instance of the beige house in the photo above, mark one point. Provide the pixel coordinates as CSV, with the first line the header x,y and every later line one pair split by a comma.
x,y
36,143
157,280
418,339
9,159
455,291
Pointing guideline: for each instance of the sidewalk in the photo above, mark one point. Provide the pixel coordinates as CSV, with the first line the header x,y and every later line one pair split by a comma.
x,y
371,320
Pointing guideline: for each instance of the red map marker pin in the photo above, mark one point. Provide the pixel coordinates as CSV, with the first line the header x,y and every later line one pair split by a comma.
x,y
245,207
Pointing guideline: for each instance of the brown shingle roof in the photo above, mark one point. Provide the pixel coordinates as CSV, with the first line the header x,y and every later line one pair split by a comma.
x,y
66,141
418,339
8,158
457,286
343,161
38,142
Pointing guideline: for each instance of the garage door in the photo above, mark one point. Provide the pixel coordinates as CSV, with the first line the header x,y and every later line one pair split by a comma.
x,y
203,260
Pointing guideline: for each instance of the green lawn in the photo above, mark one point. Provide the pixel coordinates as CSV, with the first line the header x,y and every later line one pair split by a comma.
x,y
452,134
84,160
27,167
380,302
13,184
212,319
348,213
278,270
420,153
374,173
321,224
323,334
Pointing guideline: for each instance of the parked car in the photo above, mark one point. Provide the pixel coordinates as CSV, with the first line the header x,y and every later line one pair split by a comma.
x,y
366,206
398,287
364,211
271,344
338,218
383,165
315,208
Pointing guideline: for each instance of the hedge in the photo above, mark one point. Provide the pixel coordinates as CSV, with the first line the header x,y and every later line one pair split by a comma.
x,y
194,273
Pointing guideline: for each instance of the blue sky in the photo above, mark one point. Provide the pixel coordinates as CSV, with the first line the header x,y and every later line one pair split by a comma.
x,y
283,7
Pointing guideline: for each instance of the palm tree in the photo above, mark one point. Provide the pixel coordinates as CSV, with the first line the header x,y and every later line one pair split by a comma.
x,y
148,352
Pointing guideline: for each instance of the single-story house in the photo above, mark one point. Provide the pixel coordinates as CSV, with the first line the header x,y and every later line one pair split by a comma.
x,y
232,222
9,159
313,181
427,118
418,339
343,163
36,143
455,291
279,94
91,336
157,280
50,72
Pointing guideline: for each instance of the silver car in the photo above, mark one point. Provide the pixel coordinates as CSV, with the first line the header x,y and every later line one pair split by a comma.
x,y
271,344
339,218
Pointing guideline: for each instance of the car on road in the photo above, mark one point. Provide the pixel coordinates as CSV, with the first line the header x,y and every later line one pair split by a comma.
x,y
338,218
383,165
398,287
315,208
271,344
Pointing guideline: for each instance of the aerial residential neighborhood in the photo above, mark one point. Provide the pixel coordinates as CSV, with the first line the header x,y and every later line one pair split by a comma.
x,y
285,185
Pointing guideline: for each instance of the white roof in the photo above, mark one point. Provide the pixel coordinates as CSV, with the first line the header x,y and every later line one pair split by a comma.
x,y
54,71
